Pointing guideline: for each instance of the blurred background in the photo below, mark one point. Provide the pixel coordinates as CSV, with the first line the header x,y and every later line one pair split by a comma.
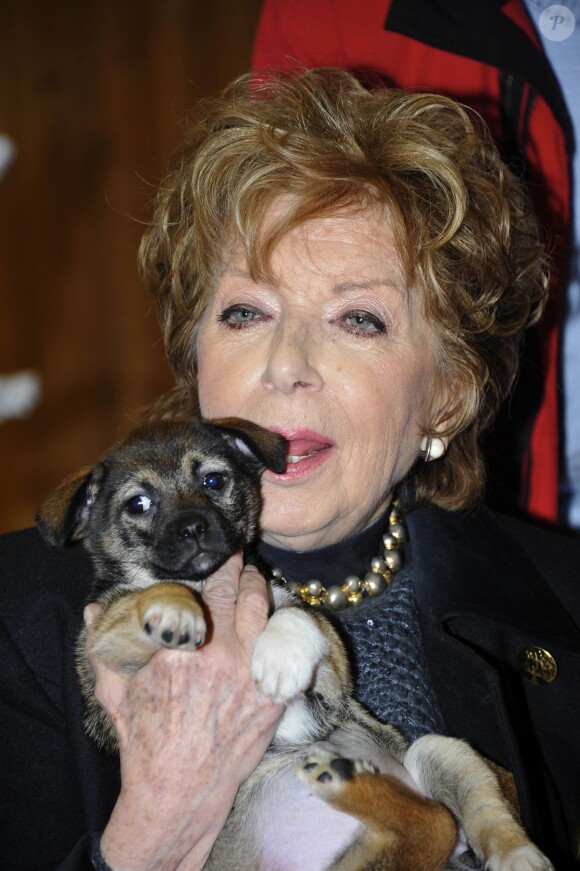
x,y
92,95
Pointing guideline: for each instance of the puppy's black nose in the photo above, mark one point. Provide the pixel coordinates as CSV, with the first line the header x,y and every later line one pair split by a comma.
x,y
192,526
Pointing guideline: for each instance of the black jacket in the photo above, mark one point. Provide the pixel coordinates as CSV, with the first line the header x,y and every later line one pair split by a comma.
x,y
488,589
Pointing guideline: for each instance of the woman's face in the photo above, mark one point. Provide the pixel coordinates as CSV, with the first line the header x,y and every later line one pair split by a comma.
x,y
335,355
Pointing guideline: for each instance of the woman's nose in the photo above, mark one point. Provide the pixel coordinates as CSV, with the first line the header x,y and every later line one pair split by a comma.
x,y
290,366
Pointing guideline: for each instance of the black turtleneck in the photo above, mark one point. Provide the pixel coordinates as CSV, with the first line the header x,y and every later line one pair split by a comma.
x,y
330,564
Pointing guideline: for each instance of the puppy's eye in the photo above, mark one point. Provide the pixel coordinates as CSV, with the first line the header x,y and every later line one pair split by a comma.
x,y
214,481
139,504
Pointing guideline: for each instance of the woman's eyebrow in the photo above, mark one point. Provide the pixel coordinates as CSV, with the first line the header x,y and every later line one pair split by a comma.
x,y
237,273
345,286
340,287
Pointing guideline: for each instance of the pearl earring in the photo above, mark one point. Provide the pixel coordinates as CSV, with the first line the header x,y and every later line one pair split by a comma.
x,y
432,448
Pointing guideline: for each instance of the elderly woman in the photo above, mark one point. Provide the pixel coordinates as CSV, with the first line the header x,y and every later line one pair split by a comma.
x,y
354,270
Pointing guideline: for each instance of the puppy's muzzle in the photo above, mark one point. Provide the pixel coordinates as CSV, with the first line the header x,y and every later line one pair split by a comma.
x,y
194,525
192,542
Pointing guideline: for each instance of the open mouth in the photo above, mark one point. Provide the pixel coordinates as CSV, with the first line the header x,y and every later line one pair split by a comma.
x,y
302,452
306,451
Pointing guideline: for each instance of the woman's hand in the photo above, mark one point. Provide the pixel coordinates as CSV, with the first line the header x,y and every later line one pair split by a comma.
x,y
191,727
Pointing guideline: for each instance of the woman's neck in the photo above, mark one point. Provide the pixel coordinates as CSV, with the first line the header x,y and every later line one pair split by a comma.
x,y
332,563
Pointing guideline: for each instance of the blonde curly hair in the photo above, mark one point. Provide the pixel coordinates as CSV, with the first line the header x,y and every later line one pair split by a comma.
x,y
464,228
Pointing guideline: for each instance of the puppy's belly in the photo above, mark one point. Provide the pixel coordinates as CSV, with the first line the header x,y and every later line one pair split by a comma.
x,y
298,831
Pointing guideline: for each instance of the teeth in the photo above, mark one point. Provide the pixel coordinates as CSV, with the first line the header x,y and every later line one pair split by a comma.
x,y
296,459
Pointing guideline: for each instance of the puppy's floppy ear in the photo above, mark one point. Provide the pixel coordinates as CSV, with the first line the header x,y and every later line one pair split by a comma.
x,y
64,514
268,448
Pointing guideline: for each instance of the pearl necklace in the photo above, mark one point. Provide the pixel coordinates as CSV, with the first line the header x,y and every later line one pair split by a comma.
x,y
353,589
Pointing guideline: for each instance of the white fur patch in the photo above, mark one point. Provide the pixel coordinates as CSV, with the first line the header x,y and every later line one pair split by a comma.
x,y
298,725
287,654
526,858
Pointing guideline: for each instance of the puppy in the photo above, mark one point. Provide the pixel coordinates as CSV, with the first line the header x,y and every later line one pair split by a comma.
x,y
337,789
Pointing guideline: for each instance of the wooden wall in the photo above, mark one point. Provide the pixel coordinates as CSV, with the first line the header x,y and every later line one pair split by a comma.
x,y
92,92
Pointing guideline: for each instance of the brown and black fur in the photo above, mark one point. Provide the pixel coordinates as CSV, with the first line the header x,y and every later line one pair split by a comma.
x,y
144,561
150,567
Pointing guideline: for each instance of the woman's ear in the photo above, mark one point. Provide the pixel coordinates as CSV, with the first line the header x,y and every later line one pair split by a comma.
x,y
433,447
444,420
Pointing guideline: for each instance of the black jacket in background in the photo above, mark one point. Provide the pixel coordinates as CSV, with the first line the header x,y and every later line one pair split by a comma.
x,y
487,587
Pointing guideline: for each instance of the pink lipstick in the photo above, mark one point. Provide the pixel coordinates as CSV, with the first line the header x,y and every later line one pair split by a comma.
x,y
307,450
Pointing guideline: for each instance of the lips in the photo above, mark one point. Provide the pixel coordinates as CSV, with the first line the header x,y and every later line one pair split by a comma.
x,y
299,449
306,451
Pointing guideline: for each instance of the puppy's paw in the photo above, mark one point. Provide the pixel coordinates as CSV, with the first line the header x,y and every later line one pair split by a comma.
x,y
325,774
287,654
177,626
525,858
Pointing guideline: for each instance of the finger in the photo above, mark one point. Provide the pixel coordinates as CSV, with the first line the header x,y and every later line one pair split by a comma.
x,y
90,612
221,589
253,607
110,687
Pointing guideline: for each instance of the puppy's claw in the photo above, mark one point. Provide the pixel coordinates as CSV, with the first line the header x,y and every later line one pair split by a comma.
x,y
286,655
174,626
325,773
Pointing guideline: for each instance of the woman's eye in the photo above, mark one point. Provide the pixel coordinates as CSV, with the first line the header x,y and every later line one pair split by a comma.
x,y
364,322
239,315
140,504
214,481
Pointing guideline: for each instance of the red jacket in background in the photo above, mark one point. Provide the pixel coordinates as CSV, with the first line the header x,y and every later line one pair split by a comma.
x,y
484,53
